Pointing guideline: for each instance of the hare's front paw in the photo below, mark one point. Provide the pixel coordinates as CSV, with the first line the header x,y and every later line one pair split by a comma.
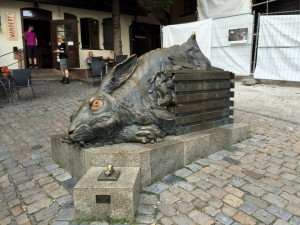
x,y
142,134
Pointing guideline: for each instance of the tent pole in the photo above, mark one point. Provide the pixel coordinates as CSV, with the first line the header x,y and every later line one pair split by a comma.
x,y
256,45
252,45
266,2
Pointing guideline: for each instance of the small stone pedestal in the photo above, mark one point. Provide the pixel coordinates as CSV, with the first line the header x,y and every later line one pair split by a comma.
x,y
101,199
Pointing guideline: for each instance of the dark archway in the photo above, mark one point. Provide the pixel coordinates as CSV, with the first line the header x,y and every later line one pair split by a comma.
x,y
40,19
144,38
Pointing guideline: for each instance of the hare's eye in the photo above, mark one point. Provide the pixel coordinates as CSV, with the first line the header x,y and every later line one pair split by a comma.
x,y
96,105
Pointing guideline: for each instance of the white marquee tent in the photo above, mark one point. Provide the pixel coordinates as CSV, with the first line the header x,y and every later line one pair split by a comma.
x,y
222,8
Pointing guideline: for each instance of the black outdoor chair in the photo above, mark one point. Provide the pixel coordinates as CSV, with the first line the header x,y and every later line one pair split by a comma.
x,y
120,58
22,79
97,58
96,71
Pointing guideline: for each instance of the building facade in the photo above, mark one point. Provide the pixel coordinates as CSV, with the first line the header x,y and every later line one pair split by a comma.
x,y
177,12
268,6
86,28
83,28
183,11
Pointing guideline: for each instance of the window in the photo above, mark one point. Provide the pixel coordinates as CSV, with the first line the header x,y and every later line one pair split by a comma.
x,y
190,6
108,34
89,33
41,14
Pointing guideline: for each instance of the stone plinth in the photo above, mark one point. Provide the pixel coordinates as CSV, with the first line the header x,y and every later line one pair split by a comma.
x,y
155,160
101,199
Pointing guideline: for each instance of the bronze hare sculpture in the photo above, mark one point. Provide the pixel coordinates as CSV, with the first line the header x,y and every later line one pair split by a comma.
x,y
135,102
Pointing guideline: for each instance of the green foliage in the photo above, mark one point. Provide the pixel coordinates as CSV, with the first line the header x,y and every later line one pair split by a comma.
x,y
122,221
155,181
80,220
181,178
168,2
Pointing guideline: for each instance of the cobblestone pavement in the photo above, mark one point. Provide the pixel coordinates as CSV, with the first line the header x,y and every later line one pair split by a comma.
x,y
256,181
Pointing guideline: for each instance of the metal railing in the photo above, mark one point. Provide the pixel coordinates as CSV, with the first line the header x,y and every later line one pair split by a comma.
x,y
16,54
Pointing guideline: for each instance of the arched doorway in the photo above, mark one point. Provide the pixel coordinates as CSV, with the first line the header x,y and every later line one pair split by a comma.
x,y
40,19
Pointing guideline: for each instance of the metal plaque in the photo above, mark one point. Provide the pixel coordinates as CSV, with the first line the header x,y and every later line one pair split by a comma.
x,y
103,199
238,35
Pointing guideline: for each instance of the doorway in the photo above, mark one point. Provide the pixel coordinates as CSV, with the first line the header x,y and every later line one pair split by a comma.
x,y
48,32
144,38
40,19
67,29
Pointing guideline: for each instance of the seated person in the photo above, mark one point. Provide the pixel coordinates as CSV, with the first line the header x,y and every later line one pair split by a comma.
x,y
89,58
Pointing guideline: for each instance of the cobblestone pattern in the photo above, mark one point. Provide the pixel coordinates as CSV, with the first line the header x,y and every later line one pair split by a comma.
x,y
34,189
256,181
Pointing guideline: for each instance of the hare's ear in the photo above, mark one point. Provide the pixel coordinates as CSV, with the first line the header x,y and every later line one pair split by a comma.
x,y
190,56
120,74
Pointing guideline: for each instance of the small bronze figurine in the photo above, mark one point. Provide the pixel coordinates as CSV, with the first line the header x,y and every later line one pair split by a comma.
x,y
109,174
110,170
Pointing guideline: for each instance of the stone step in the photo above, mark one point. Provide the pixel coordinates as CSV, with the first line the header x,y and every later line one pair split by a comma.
x,y
249,82
45,73
42,79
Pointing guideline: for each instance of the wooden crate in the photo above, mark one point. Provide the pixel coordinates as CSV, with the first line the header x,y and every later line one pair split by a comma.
x,y
203,99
